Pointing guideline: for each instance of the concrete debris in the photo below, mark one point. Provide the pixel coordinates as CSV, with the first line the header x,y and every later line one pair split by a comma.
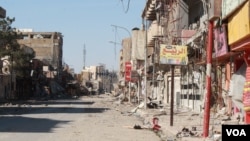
x,y
153,104
120,96
162,112
217,137
118,102
185,132
230,122
187,124
194,114
138,107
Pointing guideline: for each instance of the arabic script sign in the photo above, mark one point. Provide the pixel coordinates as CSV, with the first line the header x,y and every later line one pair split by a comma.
x,y
173,55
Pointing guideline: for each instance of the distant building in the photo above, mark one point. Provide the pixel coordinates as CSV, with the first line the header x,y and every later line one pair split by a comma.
x,y
24,30
48,46
125,55
2,13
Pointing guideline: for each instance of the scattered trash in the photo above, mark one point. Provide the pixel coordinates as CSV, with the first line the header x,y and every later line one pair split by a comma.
x,y
138,107
137,127
194,128
226,119
217,137
185,132
152,104
156,127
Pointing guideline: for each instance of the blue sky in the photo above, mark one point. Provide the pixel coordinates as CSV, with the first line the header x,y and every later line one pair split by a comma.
x,y
82,22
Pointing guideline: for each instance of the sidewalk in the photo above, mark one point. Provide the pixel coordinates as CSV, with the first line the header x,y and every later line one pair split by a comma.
x,y
183,119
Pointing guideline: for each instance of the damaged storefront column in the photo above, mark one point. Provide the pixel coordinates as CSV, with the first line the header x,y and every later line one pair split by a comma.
x,y
246,91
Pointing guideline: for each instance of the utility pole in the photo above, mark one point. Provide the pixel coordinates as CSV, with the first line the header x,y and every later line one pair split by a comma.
x,y
172,97
208,80
130,59
115,43
145,64
126,31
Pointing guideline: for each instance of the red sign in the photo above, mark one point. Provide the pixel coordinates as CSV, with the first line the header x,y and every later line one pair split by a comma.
x,y
128,68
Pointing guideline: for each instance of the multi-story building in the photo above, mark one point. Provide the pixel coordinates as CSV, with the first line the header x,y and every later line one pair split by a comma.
x,y
48,47
133,51
164,21
208,29
125,56
132,61
98,79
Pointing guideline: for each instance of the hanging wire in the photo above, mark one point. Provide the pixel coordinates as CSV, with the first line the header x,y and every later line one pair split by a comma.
x,y
127,7
115,41
118,38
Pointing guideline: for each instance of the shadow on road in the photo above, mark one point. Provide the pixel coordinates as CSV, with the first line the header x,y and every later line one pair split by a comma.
x,y
26,124
48,110
56,102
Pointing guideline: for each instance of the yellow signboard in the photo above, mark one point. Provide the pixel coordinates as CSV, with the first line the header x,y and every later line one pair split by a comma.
x,y
173,54
239,24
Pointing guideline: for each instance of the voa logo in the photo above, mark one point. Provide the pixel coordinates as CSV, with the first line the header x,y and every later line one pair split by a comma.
x,y
236,132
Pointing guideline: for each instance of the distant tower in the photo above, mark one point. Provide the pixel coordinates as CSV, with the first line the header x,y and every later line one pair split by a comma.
x,y
84,56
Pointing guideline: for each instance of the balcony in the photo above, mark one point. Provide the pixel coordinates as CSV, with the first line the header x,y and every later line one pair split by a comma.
x,y
154,31
149,10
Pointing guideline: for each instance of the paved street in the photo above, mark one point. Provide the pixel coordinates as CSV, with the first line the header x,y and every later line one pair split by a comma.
x,y
83,119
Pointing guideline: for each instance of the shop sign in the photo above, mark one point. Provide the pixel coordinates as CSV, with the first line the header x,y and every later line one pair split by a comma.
x,y
173,54
128,68
220,41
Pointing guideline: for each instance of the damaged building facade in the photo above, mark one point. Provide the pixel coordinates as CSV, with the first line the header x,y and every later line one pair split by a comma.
x,y
46,67
47,46
7,79
182,29
132,63
162,19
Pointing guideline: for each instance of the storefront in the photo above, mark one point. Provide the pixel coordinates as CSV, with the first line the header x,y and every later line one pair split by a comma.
x,y
239,41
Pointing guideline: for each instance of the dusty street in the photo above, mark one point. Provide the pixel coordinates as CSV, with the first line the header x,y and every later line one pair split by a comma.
x,y
83,119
